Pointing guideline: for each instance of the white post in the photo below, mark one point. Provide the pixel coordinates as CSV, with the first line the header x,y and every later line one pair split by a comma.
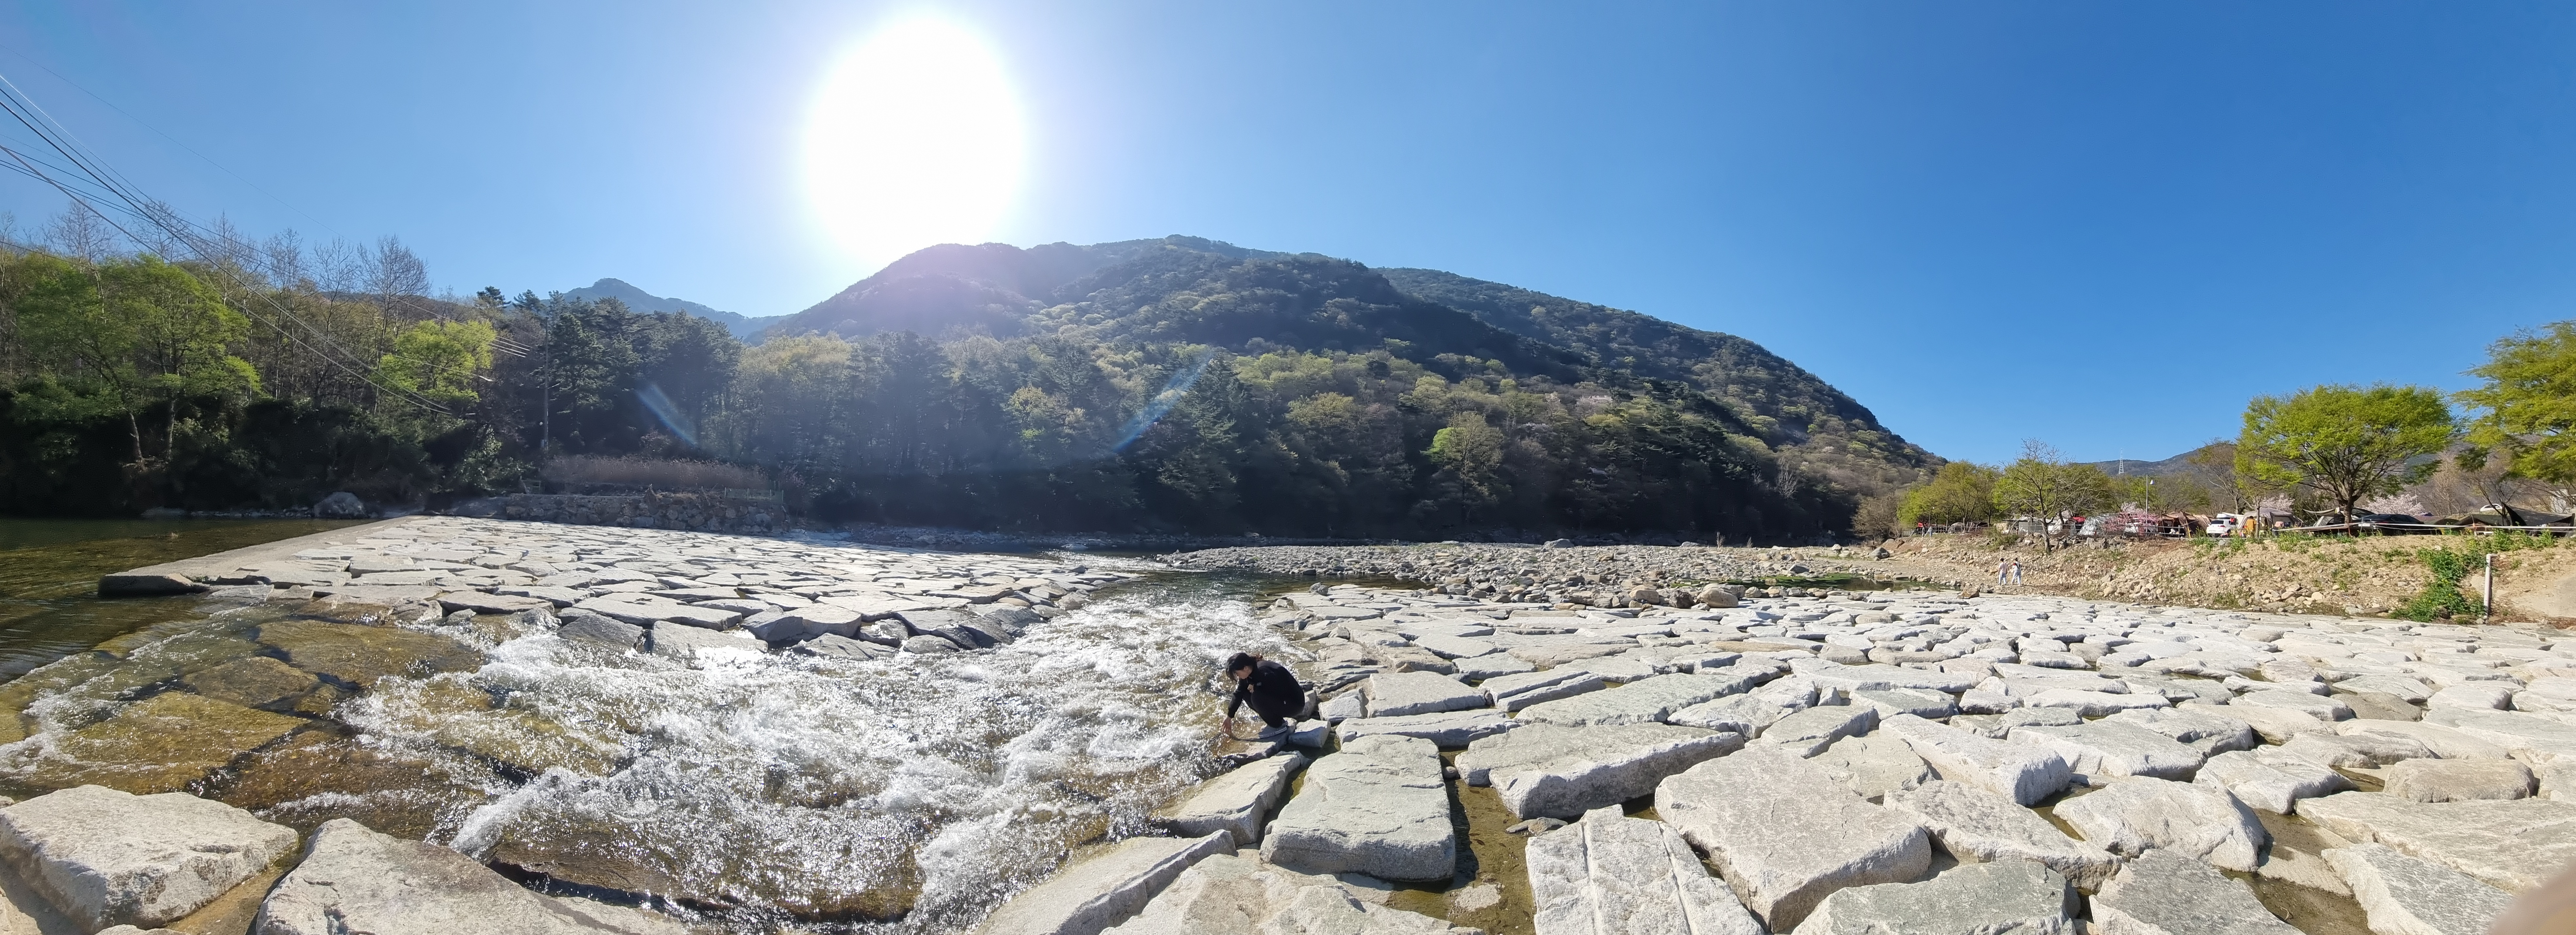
x,y
2488,612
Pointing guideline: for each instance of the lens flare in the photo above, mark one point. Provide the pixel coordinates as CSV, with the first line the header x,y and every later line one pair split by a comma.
x,y
914,139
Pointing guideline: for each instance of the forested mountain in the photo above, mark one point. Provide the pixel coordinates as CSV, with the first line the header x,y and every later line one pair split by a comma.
x,y
1817,427
1174,384
742,328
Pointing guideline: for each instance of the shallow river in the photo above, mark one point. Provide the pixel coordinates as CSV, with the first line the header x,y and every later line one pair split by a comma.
x,y
752,789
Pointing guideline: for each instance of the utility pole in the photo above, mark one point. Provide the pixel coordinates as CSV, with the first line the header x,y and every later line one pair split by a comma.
x,y
2487,610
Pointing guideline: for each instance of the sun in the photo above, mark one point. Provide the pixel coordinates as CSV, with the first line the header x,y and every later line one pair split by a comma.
x,y
914,140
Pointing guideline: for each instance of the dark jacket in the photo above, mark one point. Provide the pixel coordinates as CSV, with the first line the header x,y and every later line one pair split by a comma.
x,y
1272,691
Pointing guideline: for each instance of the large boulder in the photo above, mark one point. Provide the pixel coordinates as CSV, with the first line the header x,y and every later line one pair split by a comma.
x,y
2403,894
2015,896
1089,896
341,505
106,858
1784,834
1976,825
2136,814
1379,807
1557,771
1612,874
355,880
2164,893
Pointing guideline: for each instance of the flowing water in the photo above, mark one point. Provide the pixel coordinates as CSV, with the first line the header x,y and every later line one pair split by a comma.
x,y
749,789
49,571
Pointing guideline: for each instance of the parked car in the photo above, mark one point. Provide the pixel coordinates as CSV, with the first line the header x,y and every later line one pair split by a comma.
x,y
2226,524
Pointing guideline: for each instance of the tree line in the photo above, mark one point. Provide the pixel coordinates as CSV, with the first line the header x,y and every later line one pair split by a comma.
x,y
132,379
2328,453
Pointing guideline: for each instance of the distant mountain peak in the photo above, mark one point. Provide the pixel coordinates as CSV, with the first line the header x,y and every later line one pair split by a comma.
x,y
743,328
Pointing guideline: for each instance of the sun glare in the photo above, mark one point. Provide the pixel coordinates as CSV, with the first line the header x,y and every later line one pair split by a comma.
x,y
914,140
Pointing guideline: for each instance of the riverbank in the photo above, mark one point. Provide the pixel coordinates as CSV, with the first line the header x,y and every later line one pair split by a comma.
x,y
2365,577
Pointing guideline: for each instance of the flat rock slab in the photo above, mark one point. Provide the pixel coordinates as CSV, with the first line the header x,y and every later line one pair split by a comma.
x,y
685,643
1784,834
2267,781
2530,738
1236,802
360,655
2163,893
1749,715
2015,896
1515,691
2458,780
1396,694
597,630
2107,748
160,744
831,646
1810,731
106,858
1556,771
1090,895
2403,894
2135,815
2022,772
355,880
482,603
1609,874
2319,707
252,682
1447,730
1874,765
2200,729
1645,701
2276,725
2512,845
1976,825
2445,742
1237,894
1379,807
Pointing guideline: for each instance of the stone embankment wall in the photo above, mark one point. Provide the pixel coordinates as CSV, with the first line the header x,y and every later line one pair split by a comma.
x,y
686,511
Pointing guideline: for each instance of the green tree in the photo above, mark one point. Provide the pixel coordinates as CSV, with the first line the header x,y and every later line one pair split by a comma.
x,y
2526,409
2042,485
2345,444
1960,492
138,332
1469,452
438,360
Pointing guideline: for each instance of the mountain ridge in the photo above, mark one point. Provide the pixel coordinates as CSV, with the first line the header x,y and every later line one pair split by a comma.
x,y
1248,301
743,328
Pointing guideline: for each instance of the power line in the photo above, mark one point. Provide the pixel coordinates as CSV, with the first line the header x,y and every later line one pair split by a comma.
x,y
18,106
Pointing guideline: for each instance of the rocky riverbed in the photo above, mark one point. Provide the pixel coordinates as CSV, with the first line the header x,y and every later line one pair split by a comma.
x,y
743,733
443,724
1556,573
1870,762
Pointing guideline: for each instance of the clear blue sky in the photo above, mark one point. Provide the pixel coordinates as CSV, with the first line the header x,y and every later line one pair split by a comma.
x,y
2102,225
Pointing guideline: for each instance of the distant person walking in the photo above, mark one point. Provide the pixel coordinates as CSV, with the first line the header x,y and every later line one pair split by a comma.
x,y
1271,690
2003,572
2016,571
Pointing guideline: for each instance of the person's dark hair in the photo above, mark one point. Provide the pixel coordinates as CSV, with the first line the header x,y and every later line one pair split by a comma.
x,y
1242,661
